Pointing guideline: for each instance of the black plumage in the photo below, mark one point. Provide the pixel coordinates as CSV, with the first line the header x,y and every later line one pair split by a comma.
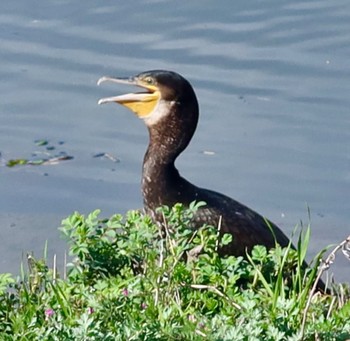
x,y
169,108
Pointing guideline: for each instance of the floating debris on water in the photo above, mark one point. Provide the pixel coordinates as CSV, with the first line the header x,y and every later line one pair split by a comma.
x,y
208,152
41,157
41,142
108,156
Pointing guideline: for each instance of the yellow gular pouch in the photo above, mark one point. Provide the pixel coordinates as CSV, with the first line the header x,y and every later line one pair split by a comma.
x,y
144,105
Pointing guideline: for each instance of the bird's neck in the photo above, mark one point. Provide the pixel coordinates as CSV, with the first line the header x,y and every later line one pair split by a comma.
x,y
159,175
161,181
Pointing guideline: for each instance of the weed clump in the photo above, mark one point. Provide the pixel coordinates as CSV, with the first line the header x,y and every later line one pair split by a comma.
x,y
130,279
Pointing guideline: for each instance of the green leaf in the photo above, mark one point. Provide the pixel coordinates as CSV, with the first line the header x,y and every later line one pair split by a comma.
x,y
259,253
41,142
15,162
226,239
5,280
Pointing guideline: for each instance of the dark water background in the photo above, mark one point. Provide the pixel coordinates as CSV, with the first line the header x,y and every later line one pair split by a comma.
x,y
273,82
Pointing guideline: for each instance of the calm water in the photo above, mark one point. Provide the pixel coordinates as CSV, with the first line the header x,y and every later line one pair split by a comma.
x,y
272,78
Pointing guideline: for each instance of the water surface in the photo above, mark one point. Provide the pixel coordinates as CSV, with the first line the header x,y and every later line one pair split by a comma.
x,y
272,79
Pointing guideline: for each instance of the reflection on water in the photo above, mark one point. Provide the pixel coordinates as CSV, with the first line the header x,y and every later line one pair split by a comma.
x,y
272,80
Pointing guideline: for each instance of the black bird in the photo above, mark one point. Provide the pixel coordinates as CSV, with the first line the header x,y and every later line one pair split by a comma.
x,y
169,108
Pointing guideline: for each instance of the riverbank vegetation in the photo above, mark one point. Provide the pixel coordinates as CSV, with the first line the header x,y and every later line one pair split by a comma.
x,y
129,279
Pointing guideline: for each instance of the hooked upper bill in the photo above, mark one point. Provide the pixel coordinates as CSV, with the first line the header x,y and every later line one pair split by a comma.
x,y
141,103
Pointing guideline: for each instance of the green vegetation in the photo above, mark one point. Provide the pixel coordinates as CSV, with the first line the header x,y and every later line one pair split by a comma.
x,y
44,156
131,280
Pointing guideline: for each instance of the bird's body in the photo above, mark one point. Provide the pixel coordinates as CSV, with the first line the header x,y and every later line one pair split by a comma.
x,y
247,227
170,111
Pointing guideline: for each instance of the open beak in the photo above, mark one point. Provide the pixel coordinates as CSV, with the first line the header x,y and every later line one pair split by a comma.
x,y
141,103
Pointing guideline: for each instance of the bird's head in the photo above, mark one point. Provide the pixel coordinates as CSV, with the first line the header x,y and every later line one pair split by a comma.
x,y
164,93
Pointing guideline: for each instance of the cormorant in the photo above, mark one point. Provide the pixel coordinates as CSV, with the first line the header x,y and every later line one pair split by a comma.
x,y
169,108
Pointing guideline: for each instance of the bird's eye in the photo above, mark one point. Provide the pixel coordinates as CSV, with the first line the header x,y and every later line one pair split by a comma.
x,y
149,80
